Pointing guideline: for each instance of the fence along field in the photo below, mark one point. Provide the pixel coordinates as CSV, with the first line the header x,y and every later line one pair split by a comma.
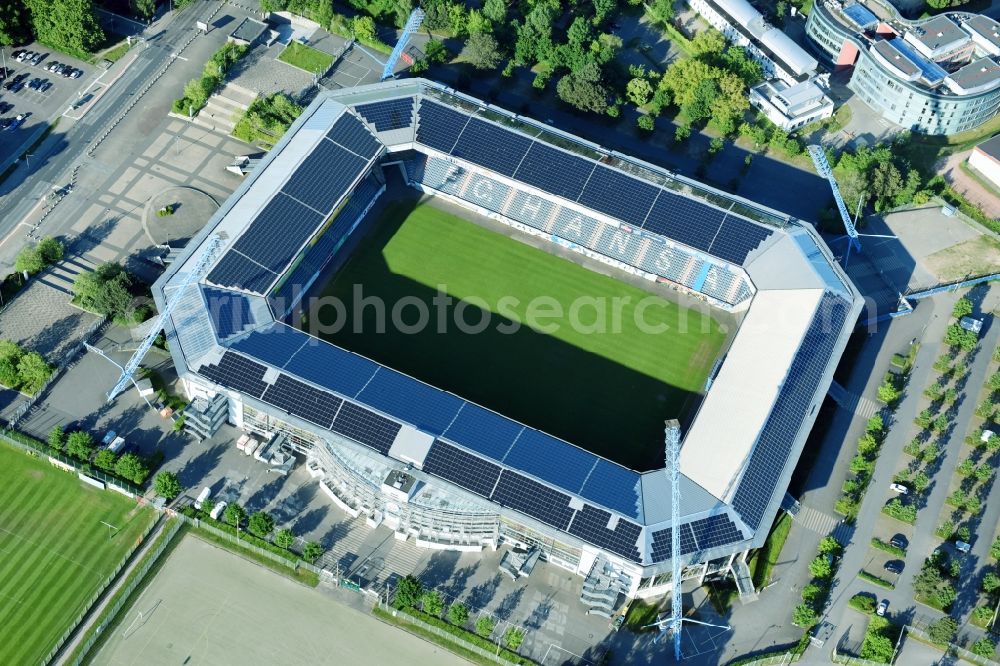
x,y
56,550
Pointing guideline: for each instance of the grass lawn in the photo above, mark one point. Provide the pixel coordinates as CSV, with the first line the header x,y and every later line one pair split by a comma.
x,y
56,551
763,560
640,615
306,57
608,391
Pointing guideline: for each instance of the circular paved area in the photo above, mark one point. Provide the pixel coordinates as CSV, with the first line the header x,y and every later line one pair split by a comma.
x,y
192,208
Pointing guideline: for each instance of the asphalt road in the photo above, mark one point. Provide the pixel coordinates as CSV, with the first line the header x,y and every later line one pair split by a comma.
x,y
67,148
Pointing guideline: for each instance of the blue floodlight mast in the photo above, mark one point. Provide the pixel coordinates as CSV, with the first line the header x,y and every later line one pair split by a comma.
x,y
412,23
207,255
823,167
673,440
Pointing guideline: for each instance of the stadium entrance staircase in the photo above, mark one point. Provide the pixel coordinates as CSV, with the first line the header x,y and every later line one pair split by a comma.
x,y
224,108
744,582
602,588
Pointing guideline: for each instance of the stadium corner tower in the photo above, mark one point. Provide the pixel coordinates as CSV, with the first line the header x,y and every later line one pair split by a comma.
x,y
446,472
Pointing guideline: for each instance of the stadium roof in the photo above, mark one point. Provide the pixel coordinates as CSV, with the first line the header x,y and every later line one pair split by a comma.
x,y
637,217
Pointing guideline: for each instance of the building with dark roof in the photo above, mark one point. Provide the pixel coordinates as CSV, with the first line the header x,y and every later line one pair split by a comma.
x,y
479,478
935,76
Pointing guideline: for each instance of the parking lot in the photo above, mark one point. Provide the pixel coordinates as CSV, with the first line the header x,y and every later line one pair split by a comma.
x,y
38,104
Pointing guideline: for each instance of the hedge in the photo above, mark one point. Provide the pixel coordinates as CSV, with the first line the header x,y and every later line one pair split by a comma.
x,y
888,547
875,580
243,535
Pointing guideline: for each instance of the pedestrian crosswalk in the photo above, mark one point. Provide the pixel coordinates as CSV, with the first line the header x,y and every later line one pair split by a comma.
x,y
824,524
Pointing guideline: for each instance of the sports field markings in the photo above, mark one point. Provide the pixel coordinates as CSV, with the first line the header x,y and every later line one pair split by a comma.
x,y
53,552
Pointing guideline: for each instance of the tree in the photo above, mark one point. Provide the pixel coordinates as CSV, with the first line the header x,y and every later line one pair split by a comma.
x,y
363,28
68,25
661,11
804,616
888,393
921,481
284,539
144,8
482,51
29,260
513,637
963,307
476,23
708,45
458,614
991,582
821,568
603,9
646,123
8,373
261,524
875,425
234,514
436,52
943,631
534,36
485,625
408,592
812,593
957,337
736,60
33,372
432,603
638,91
80,445
131,467
967,468
312,552
829,546
984,647
52,250
167,485
877,646
495,10
106,290
584,89
57,438
15,24
105,460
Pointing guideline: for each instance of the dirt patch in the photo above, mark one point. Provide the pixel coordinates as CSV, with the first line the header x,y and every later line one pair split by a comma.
x,y
971,258
36,474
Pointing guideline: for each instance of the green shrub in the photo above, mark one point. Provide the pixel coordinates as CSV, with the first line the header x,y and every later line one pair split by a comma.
x,y
888,547
863,603
875,580
906,513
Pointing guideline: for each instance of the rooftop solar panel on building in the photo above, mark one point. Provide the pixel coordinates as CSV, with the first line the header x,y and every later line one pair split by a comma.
x,y
534,499
492,147
687,221
352,134
365,427
302,400
688,544
591,525
229,311
274,345
767,461
715,531
554,171
615,488
438,126
620,196
237,373
551,459
409,400
483,431
235,270
277,233
324,176
461,468
660,546
388,115
737,238
332,367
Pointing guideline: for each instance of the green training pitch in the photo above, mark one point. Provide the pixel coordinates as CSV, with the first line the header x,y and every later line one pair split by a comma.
x,y
608,392
56,552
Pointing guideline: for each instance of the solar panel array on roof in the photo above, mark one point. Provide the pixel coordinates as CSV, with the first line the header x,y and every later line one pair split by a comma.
x,y
861,15
424,406
591,525
237,373
366,427
614,487
555,171
461,468
551,460
235,270
774,444
439,126
352,134
333,368
277,232
491,147
324,176
302,400
388,115
737,238
660,547
715,531
274,344
618,195
534,499
483,431
229,311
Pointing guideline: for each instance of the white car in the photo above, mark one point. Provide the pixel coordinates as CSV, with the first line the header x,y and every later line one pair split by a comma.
x,y
963,547
899,488
882,608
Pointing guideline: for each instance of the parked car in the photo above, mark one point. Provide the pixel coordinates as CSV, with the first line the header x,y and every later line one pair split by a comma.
x,y
899,488
882,608
18,121
963,547
52,66
24,55
59,68
46,84
894,566
5,123
76,73
109,437
16,55
35,84
217,510
67,71
38,58
899,541
205,493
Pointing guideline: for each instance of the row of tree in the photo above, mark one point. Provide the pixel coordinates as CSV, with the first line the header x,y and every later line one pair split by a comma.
x,y
80,445
67,25
259,523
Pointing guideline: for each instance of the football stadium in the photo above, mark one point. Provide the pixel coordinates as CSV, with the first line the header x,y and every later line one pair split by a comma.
x,y
473,326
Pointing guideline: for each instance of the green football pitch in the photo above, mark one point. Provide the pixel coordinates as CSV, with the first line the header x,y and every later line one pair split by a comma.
x,y
56,551
606,383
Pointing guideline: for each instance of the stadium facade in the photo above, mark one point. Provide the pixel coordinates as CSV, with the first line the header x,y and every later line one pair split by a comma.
x,y
448,473
939,75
